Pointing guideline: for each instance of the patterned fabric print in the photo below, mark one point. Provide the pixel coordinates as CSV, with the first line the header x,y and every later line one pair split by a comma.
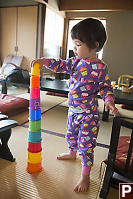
x,y
82,133
72,131
87,78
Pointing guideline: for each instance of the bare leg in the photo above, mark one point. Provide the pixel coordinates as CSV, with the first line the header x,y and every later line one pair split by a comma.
x,y
67,156
84,181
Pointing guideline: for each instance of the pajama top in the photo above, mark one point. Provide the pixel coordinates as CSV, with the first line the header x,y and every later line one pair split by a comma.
x,y
87,78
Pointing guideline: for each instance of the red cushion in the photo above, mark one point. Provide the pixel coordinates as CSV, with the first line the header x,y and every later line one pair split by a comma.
x,y
129,107
12,105
57,94
122,151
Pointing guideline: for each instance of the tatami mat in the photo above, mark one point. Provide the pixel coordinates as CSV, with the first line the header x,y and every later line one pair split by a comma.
x,y
123,112
57,179
55,120
47,102
13,90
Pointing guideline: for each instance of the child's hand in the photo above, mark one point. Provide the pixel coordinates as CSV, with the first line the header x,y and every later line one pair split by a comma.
x,y
37,61
110,105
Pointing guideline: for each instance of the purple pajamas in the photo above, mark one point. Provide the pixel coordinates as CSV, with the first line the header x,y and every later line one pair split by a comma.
x,y
87,78
82,131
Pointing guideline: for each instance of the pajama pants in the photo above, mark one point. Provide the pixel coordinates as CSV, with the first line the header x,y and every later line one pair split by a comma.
x,y
82,131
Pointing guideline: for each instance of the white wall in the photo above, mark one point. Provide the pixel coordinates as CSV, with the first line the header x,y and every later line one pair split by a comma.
x,y
18,29
118,50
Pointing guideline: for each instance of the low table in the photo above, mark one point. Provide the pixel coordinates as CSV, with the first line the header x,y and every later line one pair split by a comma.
x,y
123,98
4,84
54,85
120,98
5,133
61,86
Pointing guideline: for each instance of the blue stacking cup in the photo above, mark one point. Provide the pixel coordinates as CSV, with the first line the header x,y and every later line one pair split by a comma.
x,y
34,115
34,137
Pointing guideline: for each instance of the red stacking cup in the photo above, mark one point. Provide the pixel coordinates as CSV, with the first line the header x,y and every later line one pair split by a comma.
x,y
34,147
35,82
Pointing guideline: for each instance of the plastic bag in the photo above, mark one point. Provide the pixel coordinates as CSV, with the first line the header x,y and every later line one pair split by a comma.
x,y
19,75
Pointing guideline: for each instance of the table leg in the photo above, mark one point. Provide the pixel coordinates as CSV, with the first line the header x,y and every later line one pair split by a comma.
x,y
29,89
4,87
105,116
5,152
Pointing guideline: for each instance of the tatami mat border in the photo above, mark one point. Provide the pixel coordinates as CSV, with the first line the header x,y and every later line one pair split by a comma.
x,y
52,107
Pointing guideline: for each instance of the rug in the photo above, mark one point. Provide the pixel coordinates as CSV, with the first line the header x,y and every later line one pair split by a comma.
x,y
57,179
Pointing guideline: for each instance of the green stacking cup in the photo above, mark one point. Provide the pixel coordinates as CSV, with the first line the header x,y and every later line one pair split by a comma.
x,y
35,126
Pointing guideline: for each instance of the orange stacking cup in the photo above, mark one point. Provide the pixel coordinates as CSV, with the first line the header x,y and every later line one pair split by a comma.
x,y
34,82
34,168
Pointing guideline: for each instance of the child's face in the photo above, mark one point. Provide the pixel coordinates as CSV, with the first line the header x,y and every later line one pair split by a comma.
x,y
82,51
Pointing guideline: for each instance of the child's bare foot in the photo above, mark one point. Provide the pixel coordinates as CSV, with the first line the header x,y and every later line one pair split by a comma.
x,y
83,184
66,156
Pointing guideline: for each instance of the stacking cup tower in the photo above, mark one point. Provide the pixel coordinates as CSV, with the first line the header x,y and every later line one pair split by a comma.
x,y
34,164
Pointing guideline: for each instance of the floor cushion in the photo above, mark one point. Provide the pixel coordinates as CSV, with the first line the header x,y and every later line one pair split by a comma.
x,y
129,107
57,94
12,105
122,151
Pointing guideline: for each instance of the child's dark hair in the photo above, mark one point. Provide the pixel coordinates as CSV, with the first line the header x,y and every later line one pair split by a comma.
x,y
90,31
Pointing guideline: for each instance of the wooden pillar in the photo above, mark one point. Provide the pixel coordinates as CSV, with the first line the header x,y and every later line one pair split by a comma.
x,y
40,30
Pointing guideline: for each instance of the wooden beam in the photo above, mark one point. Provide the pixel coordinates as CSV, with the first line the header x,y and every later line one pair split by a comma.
x,y
92,5
16,3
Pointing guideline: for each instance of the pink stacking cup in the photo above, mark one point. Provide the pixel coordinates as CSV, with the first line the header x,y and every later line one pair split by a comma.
x,y
35,93
34,147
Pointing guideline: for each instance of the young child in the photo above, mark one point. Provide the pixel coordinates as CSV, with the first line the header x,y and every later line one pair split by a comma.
x,y
88,76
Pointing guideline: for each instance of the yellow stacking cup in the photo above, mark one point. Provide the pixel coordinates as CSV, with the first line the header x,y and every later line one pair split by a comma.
x,y
35,70
34,158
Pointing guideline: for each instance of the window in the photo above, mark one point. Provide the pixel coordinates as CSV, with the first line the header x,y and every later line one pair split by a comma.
x,y
53,34
70,42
